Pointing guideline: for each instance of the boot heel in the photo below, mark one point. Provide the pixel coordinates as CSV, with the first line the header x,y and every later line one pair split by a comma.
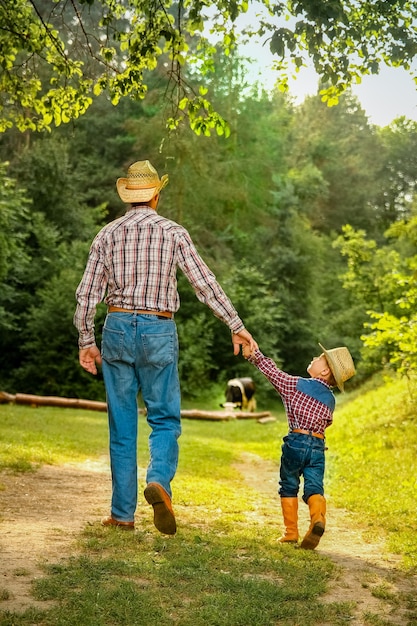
x,y
318,529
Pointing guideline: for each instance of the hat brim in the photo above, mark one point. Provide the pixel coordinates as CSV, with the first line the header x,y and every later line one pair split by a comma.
x,y
333,366
140,194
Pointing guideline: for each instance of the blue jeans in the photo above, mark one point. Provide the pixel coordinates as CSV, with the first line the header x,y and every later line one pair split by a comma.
x,y
140,353
302,455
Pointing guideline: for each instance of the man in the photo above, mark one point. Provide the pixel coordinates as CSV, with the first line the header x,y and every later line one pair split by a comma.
x,y
132,267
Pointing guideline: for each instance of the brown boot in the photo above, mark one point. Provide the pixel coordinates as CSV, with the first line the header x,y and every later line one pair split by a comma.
x,y
163,515
290,513
317,506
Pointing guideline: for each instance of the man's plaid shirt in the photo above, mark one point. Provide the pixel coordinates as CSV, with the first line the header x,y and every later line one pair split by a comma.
x,y
303,410
134,260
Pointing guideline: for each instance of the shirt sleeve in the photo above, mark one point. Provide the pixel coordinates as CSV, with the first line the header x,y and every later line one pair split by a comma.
x,y
284,383
205,285
90,292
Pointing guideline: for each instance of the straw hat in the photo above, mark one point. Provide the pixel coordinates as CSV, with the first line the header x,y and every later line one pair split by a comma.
x,y
340,363
142,183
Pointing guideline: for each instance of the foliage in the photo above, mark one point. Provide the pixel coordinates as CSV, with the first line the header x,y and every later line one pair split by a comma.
x,y
395,327
291,246
58,58
345,40
370,287
27,251
383,280
196,338
263,207
56,196
49,341
342,314
205,344
14,209
397,169
336,165
38,344
29,47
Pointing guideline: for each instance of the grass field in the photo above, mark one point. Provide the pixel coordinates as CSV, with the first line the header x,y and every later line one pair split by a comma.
x,y
221,569
372,463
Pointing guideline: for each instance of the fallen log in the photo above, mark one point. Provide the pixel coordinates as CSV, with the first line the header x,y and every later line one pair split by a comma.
x,y
216,416
245,415
221,415
6,398
267,420
93,405
34,400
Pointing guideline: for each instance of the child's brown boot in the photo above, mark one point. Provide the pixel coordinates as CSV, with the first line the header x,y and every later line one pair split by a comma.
x,y
317,506
290,513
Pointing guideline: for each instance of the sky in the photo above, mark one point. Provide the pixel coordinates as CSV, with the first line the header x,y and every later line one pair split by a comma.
x,y
390,94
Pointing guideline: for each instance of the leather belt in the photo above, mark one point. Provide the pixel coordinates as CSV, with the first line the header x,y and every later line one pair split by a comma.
x,y
117,309
307,432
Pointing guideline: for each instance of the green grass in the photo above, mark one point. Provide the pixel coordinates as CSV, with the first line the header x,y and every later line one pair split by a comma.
x,y
372,463
48,435
199,578
223,568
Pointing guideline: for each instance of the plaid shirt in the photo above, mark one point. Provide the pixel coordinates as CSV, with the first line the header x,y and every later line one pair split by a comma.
x,y
134,259
303,411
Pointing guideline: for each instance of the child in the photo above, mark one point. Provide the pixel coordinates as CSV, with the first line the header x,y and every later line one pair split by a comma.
x,y
309,404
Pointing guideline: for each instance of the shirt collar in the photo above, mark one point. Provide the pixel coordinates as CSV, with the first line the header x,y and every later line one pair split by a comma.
x,y
323,382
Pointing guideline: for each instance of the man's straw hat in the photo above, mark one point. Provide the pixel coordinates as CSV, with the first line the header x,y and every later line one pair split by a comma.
x,y
142,183
340,363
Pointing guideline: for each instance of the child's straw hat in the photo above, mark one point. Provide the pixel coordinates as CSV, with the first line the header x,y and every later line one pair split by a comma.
x,y
340,363
142,183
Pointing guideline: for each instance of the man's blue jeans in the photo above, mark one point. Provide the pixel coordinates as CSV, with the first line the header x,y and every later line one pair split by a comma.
x,y
140,353
302,455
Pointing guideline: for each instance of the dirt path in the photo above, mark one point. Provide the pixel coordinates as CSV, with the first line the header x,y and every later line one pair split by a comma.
x,y
42,513
365,569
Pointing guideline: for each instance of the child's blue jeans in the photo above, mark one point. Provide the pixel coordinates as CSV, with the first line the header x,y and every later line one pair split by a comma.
x,y
302,455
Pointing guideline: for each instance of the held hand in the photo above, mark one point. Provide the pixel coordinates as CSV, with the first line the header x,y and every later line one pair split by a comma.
x,y
89,358
246,351
244,338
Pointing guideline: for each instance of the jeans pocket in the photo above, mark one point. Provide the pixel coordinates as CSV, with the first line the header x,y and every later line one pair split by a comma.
x,y
158,348
112,344
294,453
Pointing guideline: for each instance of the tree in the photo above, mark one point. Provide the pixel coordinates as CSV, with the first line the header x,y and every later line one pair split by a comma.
x,y
393,331
14,209
398,172
14,257
56,57
35,250
381,282
49,353
335,164
27,256
253,204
